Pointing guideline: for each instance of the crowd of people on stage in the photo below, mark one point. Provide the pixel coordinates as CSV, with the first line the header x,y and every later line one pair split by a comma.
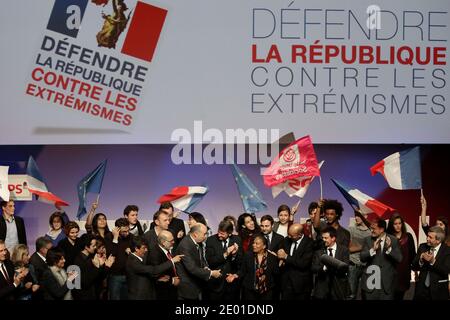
x,y
247,258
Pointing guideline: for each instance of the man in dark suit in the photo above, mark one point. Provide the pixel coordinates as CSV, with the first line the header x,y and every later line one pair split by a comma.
x,y
140,277
274,240
167,282
296,254
176,226
9,280
193,269
433,262
331,281
38,259
160,222
224,252
381,253
91,269
12,228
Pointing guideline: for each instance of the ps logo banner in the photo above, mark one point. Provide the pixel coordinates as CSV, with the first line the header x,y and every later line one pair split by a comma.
x,y
66,16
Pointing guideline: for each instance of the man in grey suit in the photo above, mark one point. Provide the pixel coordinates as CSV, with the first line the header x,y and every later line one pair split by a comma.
x,y
193,269
140,277
381,252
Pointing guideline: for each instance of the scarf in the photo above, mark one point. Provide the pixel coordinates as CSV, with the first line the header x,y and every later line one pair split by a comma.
x,y
260,274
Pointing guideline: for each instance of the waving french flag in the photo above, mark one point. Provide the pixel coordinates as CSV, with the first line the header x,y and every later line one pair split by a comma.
x,y
184,198
365,203
37,186
401,170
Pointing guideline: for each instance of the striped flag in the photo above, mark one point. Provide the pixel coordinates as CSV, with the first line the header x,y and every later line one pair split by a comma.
x,y
184,198
38,187
401,170
365,203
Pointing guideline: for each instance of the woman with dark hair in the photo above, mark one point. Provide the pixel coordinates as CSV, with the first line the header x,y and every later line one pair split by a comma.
x,y
196,218
100,225
441,221
72,245
56,232
285,219
258,271
55,278
397,228
247,228
96,223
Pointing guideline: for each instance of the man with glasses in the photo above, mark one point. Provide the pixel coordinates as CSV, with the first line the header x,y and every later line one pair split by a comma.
x,y
167,282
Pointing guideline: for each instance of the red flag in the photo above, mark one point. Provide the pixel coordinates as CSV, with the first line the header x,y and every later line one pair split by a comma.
x,y
296,160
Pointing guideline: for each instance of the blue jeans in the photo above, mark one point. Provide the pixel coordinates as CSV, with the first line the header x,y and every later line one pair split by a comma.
x,y
117,287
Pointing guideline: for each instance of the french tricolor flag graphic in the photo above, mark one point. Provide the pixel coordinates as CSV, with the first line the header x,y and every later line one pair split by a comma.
x,y
38,187
141,32
401,170
360,200
184,198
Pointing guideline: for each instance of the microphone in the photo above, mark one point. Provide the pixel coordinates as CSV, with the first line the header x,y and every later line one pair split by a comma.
x,y
331,262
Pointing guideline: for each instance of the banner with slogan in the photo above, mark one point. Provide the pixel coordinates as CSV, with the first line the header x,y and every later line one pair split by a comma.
x,y
133,71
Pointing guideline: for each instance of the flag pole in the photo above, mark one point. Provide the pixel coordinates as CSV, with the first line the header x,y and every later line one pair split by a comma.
x,y
321,189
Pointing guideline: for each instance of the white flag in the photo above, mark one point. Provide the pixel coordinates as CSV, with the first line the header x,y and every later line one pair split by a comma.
x,y
294,187
4,191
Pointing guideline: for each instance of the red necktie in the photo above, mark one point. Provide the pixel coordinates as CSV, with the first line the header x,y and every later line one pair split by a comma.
x,y
169,256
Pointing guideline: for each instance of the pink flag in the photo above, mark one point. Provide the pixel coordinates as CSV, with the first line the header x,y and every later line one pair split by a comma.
x,y
296,160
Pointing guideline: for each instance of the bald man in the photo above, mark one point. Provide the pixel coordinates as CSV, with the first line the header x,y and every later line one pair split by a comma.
x,y
297,254
167,282
193,269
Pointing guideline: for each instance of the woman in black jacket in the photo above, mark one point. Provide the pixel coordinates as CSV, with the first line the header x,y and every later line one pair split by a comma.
x,y
257,272
55,278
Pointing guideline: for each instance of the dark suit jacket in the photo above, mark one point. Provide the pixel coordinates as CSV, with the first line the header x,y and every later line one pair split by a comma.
x,y
39,266
7,289
331,283
151,238
193,277
297,268
52,289
140,278
386,262
247,271
276,242
216,261
175,226
438,272
20,225
89,275
164,290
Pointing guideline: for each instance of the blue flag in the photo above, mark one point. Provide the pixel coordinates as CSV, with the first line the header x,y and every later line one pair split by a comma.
x,y
91,183
252,199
